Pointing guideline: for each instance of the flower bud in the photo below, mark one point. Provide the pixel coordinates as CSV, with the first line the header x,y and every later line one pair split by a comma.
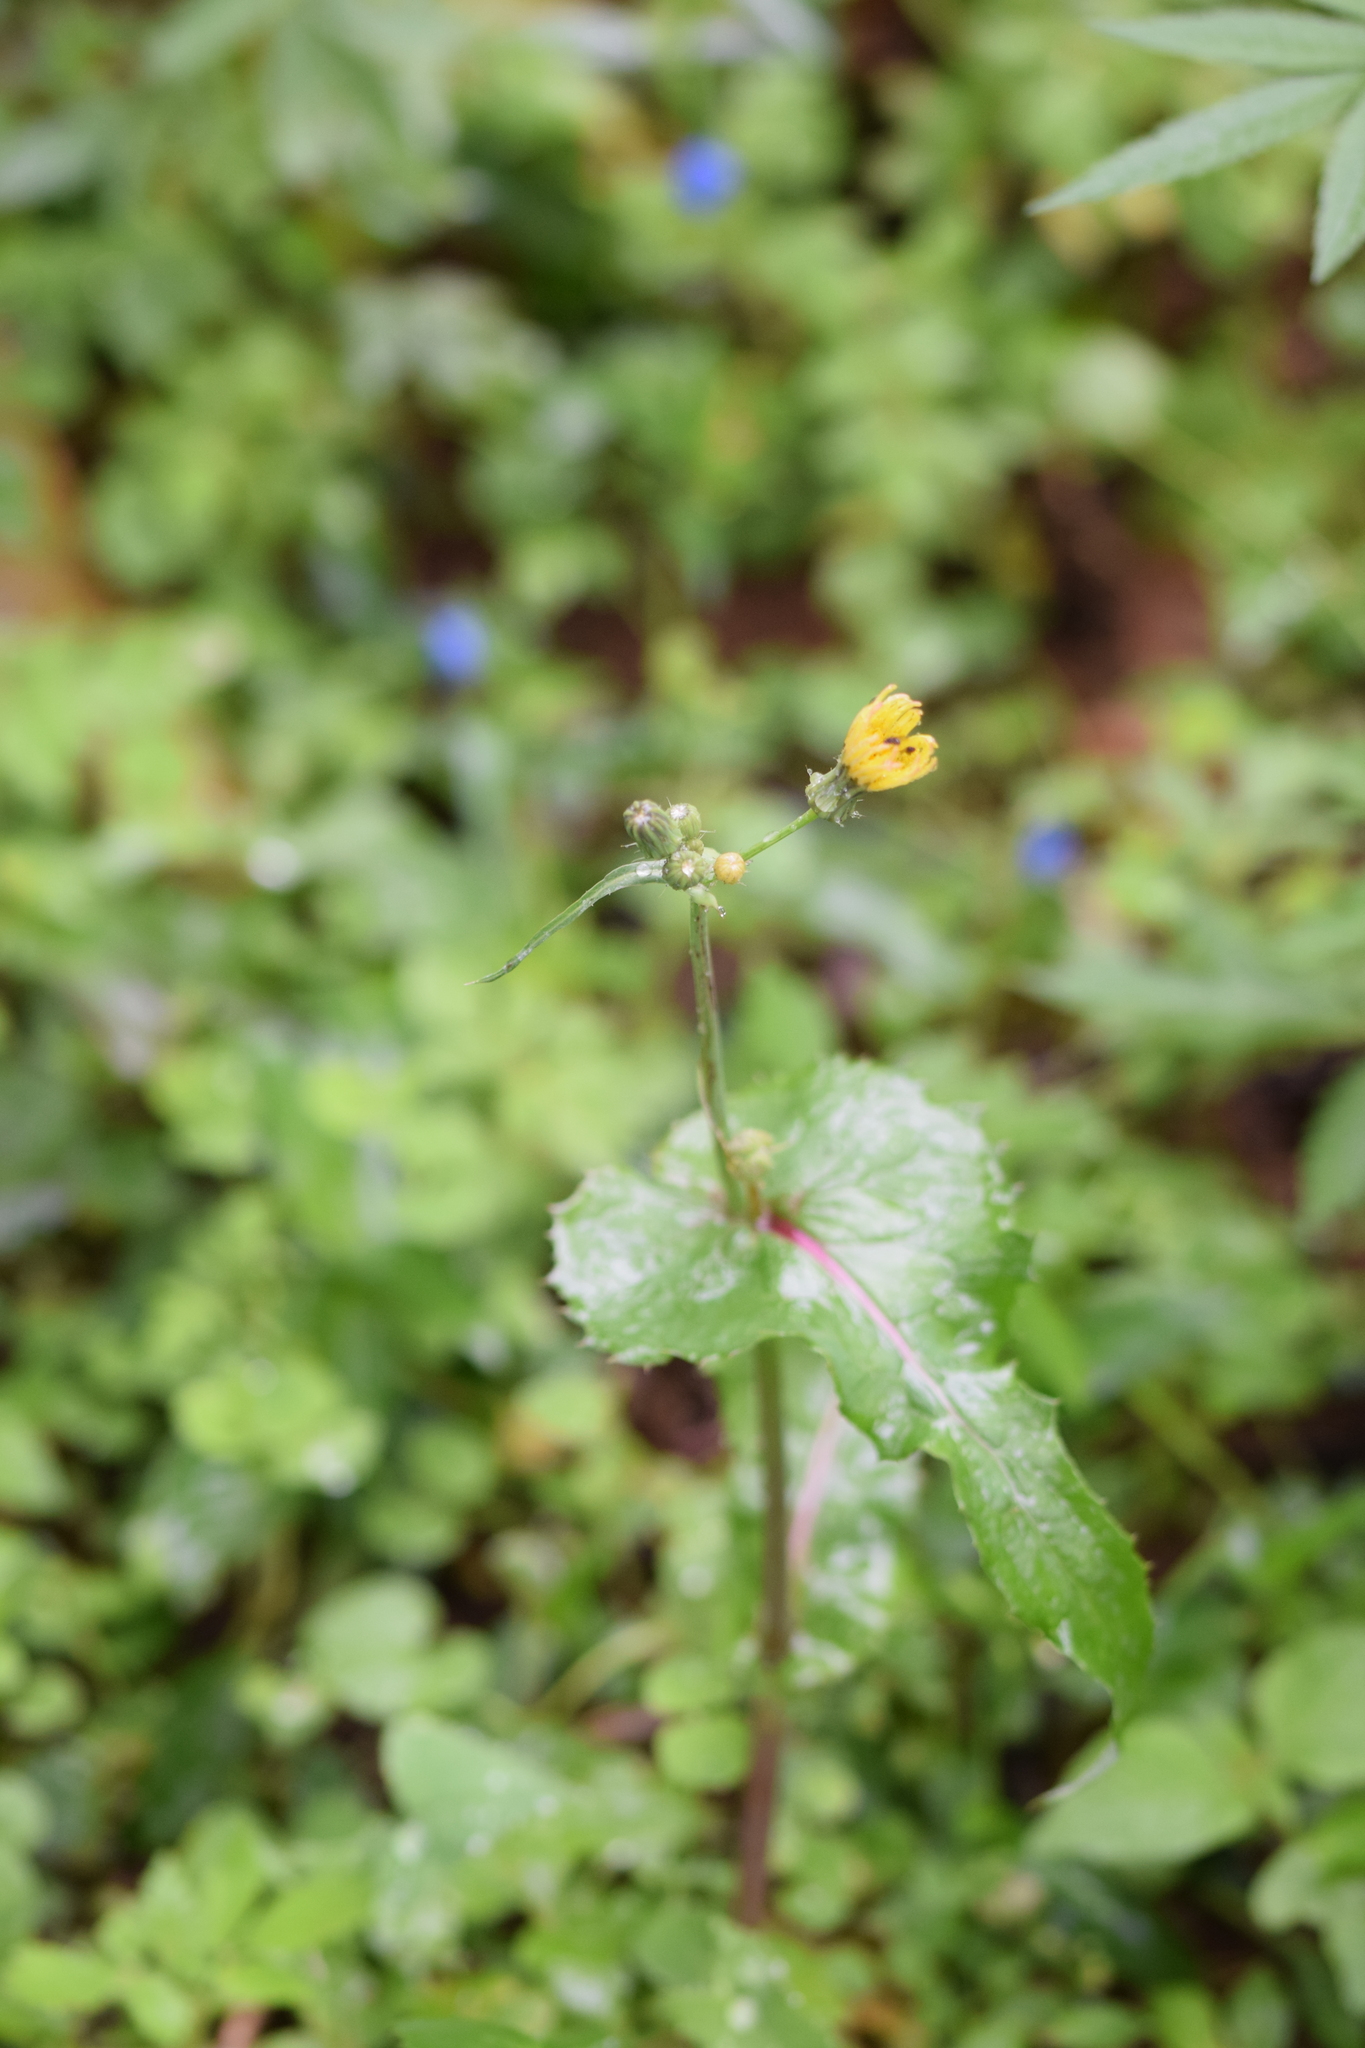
x,y
730,867
654,829
687,819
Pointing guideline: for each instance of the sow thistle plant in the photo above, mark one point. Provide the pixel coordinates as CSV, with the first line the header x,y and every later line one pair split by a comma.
x,y
838,1206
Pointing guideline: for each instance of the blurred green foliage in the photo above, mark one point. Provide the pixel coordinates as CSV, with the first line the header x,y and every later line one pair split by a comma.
x,y
363,1662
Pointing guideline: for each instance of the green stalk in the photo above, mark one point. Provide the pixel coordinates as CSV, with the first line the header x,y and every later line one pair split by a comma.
x,y
710,1058
760,1793
783,832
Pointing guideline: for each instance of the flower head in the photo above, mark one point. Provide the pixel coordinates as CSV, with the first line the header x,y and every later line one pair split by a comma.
x,y
881,749
456,643
705,174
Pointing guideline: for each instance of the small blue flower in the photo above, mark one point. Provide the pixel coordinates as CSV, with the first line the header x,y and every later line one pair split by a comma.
x,y
456,644
1044,854
705,174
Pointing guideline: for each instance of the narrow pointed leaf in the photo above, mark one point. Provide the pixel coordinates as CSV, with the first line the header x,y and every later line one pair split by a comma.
x,y
1273,37
1339,228
1223,134
888,1248
619,878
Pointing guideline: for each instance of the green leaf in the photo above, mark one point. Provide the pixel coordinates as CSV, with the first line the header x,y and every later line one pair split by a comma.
x,y
1290,1886
57,1977
704,1752
31,1480
458,2034
1339,228
1173,1792
362,1644
1333,1165
47,160
201,32
465,1789
620,878
1309,1701
319,1909
1271,37
1320,1878
1217,135
900,1273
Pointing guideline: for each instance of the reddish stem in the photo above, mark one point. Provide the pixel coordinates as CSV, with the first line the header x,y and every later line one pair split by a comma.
x,y
241,2029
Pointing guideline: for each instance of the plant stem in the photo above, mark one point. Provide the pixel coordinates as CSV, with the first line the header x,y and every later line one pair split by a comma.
x,y
760,1794
783,832
710,1059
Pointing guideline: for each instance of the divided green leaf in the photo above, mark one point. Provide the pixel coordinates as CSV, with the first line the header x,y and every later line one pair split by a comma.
x,y
1339,228
888,1248
1274,38
1223,134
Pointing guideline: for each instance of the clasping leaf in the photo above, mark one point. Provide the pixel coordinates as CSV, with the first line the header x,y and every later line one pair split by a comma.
x,y
888,1247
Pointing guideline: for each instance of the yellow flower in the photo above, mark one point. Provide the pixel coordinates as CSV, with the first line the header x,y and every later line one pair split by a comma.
x,y
882,750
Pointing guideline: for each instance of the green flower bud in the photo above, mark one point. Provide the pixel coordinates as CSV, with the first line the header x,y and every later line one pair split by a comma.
x,y
686,819
655,830
692,866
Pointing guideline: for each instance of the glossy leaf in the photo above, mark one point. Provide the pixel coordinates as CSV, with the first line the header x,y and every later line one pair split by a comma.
x,y
1272,37
1222,134
900,1272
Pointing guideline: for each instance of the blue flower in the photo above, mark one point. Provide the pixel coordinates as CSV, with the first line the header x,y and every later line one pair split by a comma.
x,y
1044,854
455,642
705,174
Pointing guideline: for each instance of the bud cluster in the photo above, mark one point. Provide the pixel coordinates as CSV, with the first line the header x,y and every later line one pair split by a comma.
x,y
673,834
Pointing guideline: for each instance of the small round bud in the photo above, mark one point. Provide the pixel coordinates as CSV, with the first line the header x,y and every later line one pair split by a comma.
x,y
686,819
653,829
730,867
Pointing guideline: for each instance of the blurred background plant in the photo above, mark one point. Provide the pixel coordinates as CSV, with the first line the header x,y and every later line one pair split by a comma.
x,y
426,426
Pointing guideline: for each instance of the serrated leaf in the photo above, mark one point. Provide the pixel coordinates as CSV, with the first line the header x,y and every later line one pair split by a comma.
x,y
899,1272
1223,134
1271,37
1339,228
1333,1163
